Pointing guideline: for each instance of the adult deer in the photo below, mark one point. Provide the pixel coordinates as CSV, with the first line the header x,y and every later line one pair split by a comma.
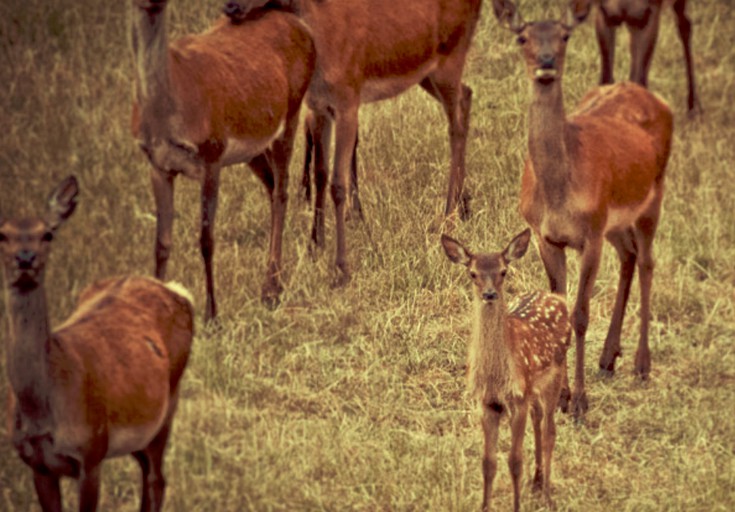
x,y
597,174
369,50
229,95
104,383
517,362
641,17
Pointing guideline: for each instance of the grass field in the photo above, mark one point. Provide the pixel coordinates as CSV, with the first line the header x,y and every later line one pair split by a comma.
x,y
353,399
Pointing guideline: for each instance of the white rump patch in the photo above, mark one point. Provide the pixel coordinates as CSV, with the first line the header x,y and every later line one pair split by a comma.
x,y
180,290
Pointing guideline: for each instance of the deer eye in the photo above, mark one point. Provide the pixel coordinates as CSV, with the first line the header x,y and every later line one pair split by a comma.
x,y
473,274
47,236
521,40
503,272
565,37
3,238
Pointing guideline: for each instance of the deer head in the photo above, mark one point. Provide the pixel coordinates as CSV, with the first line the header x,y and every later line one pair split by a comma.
x,y
487,271
25,243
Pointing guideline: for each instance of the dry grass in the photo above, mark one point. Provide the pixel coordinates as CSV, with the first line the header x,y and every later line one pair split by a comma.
x,y
353,399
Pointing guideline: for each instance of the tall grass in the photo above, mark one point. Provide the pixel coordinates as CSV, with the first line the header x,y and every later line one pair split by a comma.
x,y
353,399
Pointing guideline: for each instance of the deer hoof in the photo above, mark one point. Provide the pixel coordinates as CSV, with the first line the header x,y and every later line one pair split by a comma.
x,y
564,399
579,405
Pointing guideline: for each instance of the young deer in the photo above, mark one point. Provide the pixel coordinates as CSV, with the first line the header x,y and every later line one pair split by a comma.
x,y
104,383
598,174
641,17
517,361
369,50
226,96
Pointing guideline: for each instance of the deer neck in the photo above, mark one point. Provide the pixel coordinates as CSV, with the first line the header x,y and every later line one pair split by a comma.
x,y
27,355
489,354
151,56
546,144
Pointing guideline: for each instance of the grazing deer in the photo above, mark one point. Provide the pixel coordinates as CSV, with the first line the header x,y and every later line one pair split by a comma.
x,y
369,50
517,362
229,95
596,174
104,383
641,17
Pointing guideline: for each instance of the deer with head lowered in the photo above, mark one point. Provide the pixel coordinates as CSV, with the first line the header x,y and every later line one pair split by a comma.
x,y
369,50
517,361
229,95
596,174
642,18
105,382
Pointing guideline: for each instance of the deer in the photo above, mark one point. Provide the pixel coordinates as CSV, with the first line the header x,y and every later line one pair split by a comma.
x,y
593,175
516,363
641,17
229,95
104,383
370,50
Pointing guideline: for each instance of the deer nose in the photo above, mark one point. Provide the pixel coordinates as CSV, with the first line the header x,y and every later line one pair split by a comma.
x,y
546,61
25,259
491,295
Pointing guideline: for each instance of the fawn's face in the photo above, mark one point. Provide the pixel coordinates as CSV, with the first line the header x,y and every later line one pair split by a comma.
x,y
24,247
487,271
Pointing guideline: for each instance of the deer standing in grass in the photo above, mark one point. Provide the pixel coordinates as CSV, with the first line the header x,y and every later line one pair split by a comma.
x,y
229,95
597,174
517,362
369,50
642,18
104,383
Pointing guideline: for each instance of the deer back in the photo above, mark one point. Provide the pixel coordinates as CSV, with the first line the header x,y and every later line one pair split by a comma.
x,y
115,363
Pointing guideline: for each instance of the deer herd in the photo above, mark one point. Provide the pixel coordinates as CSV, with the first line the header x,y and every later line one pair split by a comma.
x,y
105,382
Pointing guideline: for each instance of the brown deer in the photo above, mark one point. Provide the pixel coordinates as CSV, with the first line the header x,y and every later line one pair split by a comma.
x,y
597,174
229,95
369,50
517,362
641,17
105,383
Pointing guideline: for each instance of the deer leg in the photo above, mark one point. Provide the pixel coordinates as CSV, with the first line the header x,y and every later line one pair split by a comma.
x,y
642,45
151,465
580,319
280,157
345,135
89,488
605,31
645,229
308,157
356,207
456,98
536,416
685,33
515,460
625,245
163,192
490,423
210,190
321,134
48,491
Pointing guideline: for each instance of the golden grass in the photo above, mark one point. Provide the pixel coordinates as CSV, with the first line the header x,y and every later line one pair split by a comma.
x,y
353,399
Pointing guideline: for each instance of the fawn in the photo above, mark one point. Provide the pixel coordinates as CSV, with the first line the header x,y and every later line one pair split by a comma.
x,y
516,362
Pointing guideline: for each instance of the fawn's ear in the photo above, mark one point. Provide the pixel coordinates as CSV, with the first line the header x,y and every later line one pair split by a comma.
x,y
508,15
456,251
518,246
62,202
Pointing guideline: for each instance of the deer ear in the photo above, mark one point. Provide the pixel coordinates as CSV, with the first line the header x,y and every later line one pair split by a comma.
x,y
62,202
577,11
518,246
508,15
455,251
